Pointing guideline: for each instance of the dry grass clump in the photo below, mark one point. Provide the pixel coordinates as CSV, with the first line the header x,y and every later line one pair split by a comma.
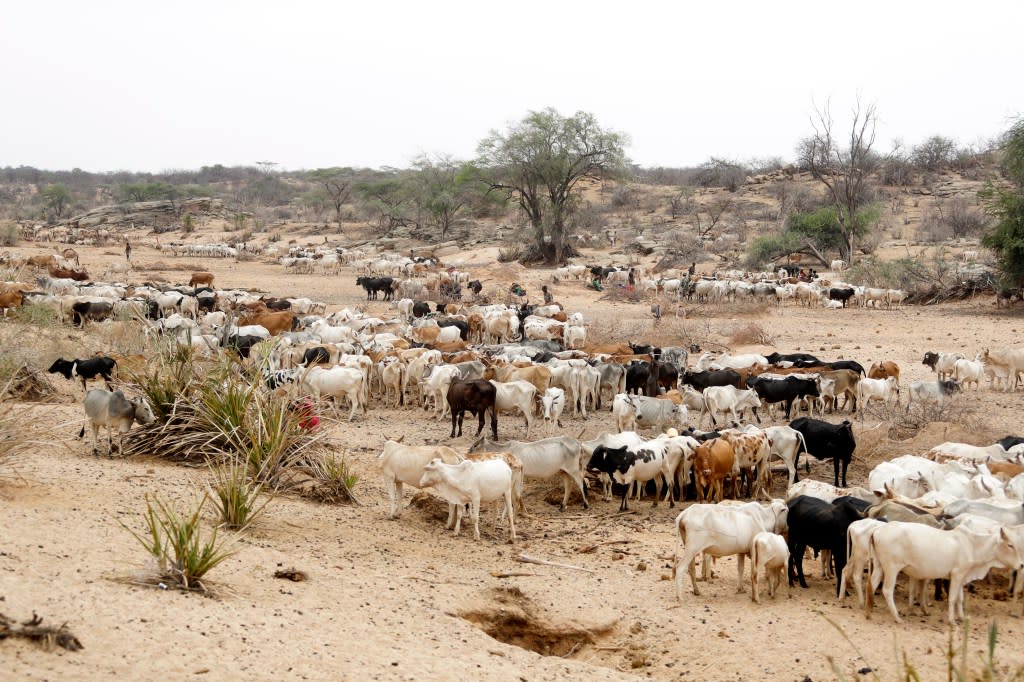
x,y
25,383
332,478
15,432
236,494
751,333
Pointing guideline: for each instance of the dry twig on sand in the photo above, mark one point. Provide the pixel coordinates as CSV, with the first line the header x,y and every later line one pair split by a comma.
x,y
527,559
590,548
35,631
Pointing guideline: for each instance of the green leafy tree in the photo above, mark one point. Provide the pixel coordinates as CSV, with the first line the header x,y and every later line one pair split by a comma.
x,y
57,200
444,189
1006,206
540,162
818,234
336,184
843,168
390,198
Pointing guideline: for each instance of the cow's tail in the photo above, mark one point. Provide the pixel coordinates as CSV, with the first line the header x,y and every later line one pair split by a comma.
x,y
802,447
81,434
869,598
680,531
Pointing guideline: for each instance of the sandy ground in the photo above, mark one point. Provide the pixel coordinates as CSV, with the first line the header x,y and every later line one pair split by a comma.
x,y
400,599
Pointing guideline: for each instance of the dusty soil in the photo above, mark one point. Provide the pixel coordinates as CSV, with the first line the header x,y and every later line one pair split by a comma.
x,y
406,599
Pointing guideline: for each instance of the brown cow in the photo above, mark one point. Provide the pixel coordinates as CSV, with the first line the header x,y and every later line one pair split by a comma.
x,y
752,450
11,299
204,278
70,254
540,377
712,463
63,273
462,356
846,382
884,370
275,323
609,349
476,327
49,261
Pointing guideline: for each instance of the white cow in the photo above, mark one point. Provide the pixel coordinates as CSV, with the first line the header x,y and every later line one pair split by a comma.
x,y
337,382
113,409
560,455
637,411
403,464
437,379
732,400
769,555
886,390
924,553
718,530
858,551
969,371
470,482
515,396
932,392
552,404
786,444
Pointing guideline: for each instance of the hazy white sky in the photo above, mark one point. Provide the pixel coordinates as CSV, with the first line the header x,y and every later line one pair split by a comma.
x,y
140,85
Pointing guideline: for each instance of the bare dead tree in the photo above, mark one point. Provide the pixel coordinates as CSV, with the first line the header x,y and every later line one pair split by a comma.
x,y
843,169
716,210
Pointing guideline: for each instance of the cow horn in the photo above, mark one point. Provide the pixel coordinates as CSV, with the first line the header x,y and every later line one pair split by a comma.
x,y
400,438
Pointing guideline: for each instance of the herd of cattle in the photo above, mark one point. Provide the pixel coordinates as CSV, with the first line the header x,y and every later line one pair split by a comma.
x,y
952,514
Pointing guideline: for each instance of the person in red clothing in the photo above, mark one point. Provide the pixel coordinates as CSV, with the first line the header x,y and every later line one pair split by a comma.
x,y
305,409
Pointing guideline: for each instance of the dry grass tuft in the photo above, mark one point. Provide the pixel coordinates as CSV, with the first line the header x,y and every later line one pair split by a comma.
x,y
332,478
751,333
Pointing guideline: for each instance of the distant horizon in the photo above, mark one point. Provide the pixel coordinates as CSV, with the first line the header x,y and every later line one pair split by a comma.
x,y
982,141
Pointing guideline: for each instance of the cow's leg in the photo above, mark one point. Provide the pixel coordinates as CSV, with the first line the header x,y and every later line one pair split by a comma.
x,y
511,515
95,438
739,568
110,441
888,591
456,414
835,469
394,487
688,564
459,511
474,514
754,597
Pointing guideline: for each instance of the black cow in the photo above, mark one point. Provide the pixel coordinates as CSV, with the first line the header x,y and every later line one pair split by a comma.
x,y
783,390
207,303
316,356
843,295
824,440
847,364
645,349
242,344
1009,441
463,326
153,310
817,524
475,286
374,285
637,374
278,304
477,396
90,310
420,308
776,358
711,377
84,369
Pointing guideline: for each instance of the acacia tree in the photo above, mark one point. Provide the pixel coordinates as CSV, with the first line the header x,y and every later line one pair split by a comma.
x,y
57,199
843,168
1006,205
443,189
336,184
540,162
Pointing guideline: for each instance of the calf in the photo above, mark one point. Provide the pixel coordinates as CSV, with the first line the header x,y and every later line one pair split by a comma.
x,y
886,390
858,555
968,371
626,467
644,412
843,295
828,441
84,369
403,464
94,311
732,400
205,278
336,382
470,482
719,531
552,403
713,461
783,390
113,409
768,555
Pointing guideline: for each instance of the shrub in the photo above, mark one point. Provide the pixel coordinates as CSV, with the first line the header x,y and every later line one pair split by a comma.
x,y
751,333
174,538
509,254
9,234
333,480
236,494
